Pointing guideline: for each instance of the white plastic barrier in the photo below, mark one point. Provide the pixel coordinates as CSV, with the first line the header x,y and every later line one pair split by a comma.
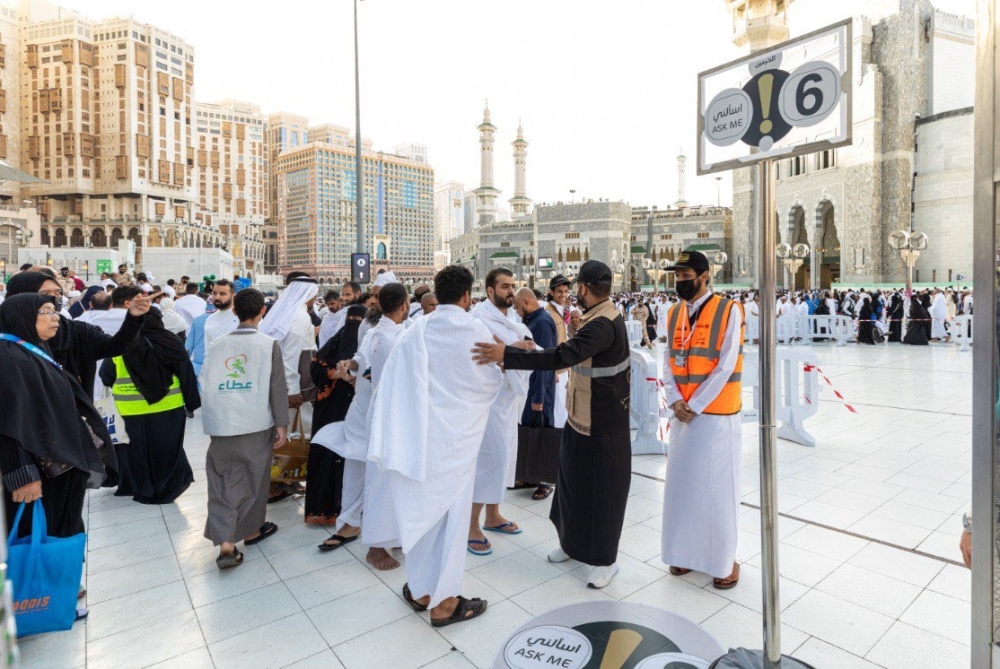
x,y
961,332
634,330
839,328
644,409
797,391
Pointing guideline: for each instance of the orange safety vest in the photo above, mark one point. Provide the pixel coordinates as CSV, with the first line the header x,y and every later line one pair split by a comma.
x,y
700,353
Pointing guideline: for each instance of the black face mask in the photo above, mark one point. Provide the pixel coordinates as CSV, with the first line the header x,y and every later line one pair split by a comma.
x,y
687,288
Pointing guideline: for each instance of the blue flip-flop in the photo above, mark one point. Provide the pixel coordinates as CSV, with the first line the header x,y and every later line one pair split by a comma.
x,y
501,530
480,551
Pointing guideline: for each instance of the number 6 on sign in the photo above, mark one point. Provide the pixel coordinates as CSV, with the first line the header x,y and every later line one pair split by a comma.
x,y
810,94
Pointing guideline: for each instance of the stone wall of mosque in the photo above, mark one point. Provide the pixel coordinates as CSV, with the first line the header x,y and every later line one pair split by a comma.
x,y
867,187
943,197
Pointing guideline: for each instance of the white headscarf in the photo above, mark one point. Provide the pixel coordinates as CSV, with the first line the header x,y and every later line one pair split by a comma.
x,y
293,299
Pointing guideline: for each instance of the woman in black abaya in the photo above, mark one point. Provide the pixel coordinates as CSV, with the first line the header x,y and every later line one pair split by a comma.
x,y
155,468
866,324
53,442
325,469
917,327
895,314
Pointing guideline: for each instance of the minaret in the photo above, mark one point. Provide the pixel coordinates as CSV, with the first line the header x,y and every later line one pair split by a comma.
x,y
759,23
486,194
681,168
520,204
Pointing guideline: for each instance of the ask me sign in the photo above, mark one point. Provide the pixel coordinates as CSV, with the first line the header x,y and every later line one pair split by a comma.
x,y
789,100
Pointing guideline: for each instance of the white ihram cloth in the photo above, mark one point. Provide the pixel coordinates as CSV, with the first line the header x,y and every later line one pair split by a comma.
x,y
701,500
495,469
661,319
380,516
428,421
220,324
939,312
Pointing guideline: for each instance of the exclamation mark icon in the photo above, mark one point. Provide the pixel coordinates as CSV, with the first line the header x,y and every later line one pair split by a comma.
x,y
765,85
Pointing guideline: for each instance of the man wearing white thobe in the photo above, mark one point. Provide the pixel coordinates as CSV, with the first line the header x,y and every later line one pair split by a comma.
x,y
191,305
224,320
363,514
428,421
701,501
497,462
334,320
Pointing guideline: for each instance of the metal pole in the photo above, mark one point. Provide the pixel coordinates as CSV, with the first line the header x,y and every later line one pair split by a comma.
x,y
984,356
359,188
768,475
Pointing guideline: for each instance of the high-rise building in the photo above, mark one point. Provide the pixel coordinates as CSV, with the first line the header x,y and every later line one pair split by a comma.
x,y
337,135
449,218
469,212
316,190
412,150
231,173
107,122
284,131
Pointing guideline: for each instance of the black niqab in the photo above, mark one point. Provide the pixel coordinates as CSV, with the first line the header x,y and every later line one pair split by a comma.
x,y
43,405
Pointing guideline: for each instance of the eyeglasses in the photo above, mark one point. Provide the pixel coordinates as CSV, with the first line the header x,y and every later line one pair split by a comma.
x,y
51,314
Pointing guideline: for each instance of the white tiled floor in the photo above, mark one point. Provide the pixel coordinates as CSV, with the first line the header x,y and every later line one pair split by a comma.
x,y
895,473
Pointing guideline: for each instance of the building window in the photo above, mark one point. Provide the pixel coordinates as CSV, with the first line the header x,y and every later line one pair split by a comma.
x,y
796,166
826,159
572,235
704,235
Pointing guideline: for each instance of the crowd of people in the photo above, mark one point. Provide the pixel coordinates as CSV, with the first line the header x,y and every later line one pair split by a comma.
x,y
875,314
410,405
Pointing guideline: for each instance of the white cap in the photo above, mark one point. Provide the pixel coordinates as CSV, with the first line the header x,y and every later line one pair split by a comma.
x,y
146,288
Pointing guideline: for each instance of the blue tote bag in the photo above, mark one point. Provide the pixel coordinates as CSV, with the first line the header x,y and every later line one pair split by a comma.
x,y
45,572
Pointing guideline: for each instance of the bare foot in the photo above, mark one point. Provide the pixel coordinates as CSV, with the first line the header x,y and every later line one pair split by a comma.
x,y
444,609
381,560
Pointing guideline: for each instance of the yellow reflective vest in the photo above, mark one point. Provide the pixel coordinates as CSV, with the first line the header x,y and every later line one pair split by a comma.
x,y
130,401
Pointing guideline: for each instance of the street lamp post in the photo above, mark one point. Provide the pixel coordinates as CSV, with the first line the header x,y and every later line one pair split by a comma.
x,y
792,257
86,268
909,245
359,188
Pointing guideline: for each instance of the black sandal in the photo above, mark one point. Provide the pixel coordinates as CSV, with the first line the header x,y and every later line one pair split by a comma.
x,y
343,540
414,604
475,606
542,492
266,530
284,494
234,559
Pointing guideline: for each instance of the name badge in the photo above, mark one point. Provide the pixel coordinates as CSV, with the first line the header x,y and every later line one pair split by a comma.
x,y
681,360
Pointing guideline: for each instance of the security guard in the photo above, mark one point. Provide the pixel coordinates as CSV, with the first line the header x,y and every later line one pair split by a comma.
x,y
595,456
702,377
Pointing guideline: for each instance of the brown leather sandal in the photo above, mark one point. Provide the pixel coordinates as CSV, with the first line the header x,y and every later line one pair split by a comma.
x,y
728,582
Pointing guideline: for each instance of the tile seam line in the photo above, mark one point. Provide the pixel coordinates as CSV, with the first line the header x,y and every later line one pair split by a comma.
x,y
873,540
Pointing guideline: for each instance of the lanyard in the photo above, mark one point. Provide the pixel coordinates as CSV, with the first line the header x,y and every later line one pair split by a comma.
x,y
31,347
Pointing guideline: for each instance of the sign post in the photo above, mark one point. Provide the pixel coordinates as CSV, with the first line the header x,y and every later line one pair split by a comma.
x,y
790,100
361,268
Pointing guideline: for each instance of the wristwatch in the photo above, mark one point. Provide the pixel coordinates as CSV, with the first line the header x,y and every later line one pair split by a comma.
x,y
967,522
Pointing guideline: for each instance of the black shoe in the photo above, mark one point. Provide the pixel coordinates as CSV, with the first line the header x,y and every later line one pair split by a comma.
x,y
190,414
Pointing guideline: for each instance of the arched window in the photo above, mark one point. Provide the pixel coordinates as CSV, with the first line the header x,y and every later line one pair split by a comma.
x,y
60,237
97,238
116,236
76,239
381,253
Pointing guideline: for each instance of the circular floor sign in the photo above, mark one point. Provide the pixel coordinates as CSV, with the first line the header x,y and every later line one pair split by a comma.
x,y
608,635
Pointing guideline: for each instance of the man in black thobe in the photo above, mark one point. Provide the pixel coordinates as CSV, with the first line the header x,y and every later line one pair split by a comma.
x,y
588,509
